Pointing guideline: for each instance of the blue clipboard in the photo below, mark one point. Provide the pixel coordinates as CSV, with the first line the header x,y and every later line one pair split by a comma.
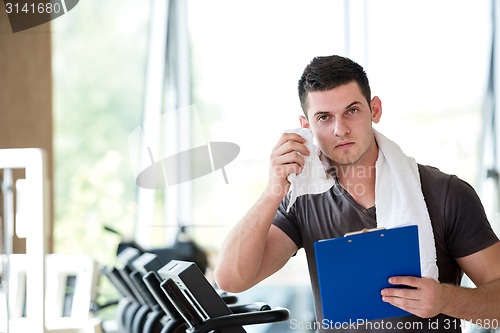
x,y
352,270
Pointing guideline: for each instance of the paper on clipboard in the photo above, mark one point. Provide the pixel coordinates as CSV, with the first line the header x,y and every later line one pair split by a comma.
x,y
352,271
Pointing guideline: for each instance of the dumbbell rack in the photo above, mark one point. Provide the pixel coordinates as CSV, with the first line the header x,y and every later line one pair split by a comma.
x,y
176,297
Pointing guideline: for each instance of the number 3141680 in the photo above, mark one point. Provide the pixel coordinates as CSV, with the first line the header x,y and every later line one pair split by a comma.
x,y
32,8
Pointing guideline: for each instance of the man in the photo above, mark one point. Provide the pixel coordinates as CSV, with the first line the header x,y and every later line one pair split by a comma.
x,y
338,108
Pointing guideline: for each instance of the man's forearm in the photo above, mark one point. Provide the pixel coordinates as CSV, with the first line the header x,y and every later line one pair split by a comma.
x,y
479,305
241,254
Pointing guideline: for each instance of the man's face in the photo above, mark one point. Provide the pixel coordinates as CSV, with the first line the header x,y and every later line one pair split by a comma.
x,y
341,120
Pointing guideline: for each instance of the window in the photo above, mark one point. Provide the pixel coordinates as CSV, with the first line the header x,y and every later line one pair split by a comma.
x,y
99,52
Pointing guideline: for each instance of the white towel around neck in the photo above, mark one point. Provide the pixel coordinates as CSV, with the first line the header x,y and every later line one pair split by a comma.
x,y
399,200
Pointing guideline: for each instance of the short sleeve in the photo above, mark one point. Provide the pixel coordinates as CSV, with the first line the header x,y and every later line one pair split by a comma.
x,y
288,222
468,229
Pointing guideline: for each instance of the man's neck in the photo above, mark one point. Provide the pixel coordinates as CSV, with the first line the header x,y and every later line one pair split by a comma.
x,y
359,182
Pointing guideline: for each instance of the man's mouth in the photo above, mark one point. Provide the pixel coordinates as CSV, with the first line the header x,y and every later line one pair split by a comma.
x,y
344,144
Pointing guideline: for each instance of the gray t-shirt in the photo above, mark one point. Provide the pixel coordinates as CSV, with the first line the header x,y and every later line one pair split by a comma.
x,y
458,220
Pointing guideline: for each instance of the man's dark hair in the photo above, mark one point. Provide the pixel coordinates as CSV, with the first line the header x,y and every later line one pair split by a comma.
x,y
328,72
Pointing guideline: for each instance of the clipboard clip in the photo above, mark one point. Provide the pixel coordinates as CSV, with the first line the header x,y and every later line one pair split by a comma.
x,y
363,231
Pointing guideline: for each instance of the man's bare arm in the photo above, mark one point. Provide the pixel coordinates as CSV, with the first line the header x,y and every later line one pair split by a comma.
x,y
483,302
255,249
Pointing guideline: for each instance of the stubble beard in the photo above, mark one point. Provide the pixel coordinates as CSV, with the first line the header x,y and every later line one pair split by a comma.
x,y
351,163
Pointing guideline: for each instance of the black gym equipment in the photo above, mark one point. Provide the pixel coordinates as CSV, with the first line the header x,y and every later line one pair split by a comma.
x,y
151,318
183,248
202,307
128,304
139,305
176,297
172,321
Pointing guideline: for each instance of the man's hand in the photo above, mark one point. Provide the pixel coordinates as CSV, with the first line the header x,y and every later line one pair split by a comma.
x,y
286,158
426,300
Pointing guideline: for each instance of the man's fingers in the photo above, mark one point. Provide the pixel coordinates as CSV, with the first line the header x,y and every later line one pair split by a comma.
x,y
410,293
423,300
290,147
288,137
288,155
289,158
400,293
290,142
410,281
410,305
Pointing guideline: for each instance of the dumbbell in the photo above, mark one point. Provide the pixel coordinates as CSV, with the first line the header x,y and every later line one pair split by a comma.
x,y
147,319
139,306
150,309
172,321
128,304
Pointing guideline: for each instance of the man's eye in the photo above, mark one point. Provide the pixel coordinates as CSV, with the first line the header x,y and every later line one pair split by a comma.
x,y
322,118
352,111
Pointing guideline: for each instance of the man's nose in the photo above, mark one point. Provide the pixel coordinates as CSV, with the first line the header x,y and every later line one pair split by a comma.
x,y
341,129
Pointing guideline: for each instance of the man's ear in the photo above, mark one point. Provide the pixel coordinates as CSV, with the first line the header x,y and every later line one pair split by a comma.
x,y
304,123
376,106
